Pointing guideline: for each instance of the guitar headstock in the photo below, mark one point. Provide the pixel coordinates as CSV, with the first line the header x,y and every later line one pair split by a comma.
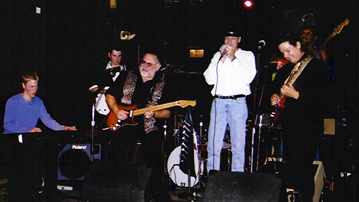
x,y
340,27
185,103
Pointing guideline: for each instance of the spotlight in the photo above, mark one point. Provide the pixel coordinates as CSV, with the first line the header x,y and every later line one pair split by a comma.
x,y
248,4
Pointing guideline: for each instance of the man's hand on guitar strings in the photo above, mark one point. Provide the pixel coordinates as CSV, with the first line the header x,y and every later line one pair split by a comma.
x,y
289,91
122,115
274,99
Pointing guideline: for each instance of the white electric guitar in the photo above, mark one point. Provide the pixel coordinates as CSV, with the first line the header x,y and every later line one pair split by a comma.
x,y
101,105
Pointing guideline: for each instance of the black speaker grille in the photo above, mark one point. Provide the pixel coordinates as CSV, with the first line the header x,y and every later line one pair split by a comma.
x,y
74,164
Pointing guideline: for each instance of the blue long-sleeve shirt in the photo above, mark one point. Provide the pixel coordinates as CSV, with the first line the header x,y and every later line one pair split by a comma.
x,y
21,115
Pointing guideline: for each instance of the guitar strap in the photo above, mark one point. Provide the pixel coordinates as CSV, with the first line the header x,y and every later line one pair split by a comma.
x,y
156,95
129,89
297,70
315,52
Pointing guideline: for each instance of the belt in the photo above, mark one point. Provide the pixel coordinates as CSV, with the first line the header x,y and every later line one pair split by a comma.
x,y
229,97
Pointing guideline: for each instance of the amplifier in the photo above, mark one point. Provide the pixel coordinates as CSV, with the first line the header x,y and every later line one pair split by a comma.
x,y
74,160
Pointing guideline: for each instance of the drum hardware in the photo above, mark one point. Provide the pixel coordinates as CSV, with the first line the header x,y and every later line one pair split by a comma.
x,y
176,135
256,129
257,118
93,123
177,126
176,174
226,155
181,155
164,146
176,139
228,148
200,142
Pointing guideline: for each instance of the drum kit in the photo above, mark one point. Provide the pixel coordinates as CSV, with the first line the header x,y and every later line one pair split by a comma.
x,y
181,177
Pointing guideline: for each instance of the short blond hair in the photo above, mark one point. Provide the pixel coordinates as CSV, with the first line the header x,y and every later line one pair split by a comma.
x,y
29,76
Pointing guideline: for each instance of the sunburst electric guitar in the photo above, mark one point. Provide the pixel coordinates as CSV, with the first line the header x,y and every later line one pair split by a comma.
x,y
113,123
336,31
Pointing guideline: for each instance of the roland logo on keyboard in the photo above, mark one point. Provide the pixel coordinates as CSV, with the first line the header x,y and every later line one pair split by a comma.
x,y
78,146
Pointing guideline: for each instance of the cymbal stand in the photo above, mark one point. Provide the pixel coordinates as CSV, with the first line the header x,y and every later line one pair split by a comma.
x,y
259,140
166,176
93,123
164,151
200,151
255,112
252,148
176,134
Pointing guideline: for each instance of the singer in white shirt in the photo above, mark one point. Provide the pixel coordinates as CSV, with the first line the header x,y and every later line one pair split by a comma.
x,y
230,72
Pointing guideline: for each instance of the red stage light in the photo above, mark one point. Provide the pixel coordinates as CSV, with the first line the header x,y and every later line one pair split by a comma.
x,y
248,4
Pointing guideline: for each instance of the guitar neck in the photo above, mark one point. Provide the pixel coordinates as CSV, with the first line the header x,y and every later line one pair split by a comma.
x,y
336,31
328,39
138,112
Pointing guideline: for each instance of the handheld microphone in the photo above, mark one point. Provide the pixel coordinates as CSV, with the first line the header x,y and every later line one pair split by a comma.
x,y
222,54
261,44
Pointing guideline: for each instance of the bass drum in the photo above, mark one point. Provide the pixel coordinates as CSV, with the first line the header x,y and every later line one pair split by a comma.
x,y
177,175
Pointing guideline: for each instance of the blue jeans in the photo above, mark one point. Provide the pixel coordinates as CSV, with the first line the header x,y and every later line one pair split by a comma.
x,y
235,113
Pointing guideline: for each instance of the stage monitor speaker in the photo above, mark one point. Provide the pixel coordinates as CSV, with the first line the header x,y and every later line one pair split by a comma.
x,y
237,186
74,160
125,182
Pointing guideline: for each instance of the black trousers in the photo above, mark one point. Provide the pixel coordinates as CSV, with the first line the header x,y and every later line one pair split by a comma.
x,y
300,144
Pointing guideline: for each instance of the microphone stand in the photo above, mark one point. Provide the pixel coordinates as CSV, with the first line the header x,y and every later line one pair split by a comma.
x,y
200,150
93,122
255,113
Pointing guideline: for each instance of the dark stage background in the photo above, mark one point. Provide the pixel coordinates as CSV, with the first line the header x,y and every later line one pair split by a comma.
x,y
67,42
